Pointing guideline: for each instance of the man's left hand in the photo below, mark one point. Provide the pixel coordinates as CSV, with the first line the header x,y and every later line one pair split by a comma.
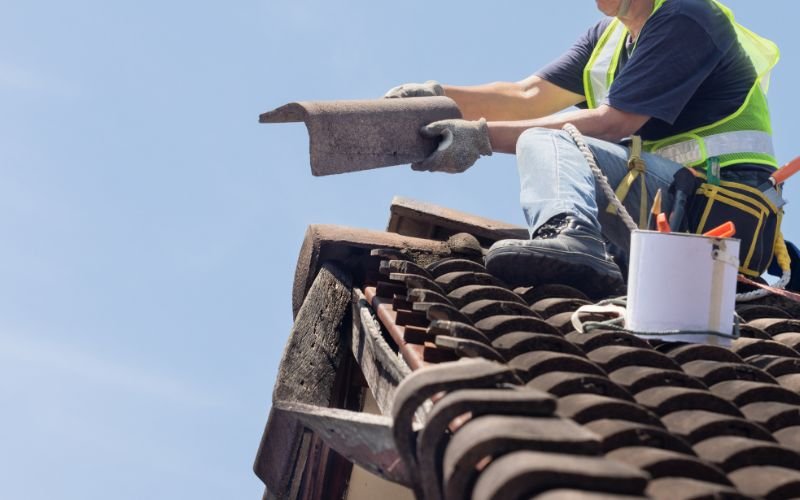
x,y
462,142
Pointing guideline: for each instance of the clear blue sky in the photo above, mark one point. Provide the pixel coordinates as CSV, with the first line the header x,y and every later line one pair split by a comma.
x,y
150,225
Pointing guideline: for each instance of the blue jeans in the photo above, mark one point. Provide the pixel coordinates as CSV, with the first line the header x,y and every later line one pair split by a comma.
x,y
556,179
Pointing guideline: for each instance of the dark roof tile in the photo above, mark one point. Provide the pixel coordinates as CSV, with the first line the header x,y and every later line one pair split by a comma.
x,y
441,312
482,309
566,383
775,325
775,365
602,338
640,378
789,437
585,408
685,353
744,392
516,343
665,463
791,382
524,474
422,295
672,488
613,358
750,312
494,436
699,425
665,400
770,483
470,293
773,416
566,494
456,329
533,364
714,372
791,339
622,433
445,266
732,453
750,332
539,292
551,306
753,347
454,280
496,326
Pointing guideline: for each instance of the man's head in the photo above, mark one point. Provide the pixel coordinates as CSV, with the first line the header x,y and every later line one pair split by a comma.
x,y
616,8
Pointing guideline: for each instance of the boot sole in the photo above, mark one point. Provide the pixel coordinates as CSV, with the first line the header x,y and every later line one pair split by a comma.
x,y
526,268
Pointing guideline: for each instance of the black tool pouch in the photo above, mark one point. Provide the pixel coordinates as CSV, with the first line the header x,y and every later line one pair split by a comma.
x,y
756,218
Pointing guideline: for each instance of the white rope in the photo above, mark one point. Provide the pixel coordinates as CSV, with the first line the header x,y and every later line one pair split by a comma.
x,y
761,293
628,221
601,178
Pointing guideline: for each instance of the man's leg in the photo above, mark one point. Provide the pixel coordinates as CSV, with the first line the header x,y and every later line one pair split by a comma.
x,y
566,212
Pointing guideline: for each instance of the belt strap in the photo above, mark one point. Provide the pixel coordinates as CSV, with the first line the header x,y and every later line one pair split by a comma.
x,y
636,167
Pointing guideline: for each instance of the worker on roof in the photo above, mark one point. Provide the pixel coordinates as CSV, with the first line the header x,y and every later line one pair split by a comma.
x,y
680,74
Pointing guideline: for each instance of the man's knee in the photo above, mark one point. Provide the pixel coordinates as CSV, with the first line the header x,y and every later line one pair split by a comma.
x,y
537,137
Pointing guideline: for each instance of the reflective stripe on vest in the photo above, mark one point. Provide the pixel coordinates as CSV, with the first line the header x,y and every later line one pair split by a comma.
x,y
741,142
601,68
692,148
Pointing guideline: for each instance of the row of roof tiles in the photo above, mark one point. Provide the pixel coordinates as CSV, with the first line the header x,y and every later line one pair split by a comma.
x,y
574,415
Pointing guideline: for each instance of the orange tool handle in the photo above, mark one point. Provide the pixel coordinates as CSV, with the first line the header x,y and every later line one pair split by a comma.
x,y
722,231
786,171
662,224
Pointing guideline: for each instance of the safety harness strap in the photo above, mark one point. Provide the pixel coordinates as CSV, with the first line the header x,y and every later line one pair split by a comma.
x,y
636,167
740,142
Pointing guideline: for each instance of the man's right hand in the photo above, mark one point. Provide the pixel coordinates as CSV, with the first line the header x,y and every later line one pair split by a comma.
x,y
431,88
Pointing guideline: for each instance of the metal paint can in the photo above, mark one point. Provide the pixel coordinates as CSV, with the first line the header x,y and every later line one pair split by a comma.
x,y
682,287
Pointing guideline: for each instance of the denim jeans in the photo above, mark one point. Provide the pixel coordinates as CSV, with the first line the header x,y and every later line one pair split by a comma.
x,y
555,178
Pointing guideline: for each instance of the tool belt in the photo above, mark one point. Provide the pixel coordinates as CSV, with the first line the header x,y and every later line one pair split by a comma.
x,y
712,202
756,218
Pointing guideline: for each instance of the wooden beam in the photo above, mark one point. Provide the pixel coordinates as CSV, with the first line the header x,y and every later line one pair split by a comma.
x,y
382,368
307,374
426,220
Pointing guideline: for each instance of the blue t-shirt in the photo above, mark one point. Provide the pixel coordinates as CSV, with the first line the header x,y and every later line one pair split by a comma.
x,y
687,69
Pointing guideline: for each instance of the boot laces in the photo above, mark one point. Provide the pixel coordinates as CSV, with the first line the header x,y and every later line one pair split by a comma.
x,y
552,227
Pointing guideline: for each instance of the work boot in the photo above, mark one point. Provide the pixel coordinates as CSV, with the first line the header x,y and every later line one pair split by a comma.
x,y
563,250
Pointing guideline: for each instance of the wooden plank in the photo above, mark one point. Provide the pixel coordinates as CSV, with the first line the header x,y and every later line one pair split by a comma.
x,y
426,220
363,439
382,368
307,374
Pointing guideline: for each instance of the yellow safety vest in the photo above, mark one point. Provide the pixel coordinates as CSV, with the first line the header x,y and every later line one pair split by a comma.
x,y
743,137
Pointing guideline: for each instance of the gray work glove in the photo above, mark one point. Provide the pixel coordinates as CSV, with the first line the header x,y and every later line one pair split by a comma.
x,y
430,88
462,143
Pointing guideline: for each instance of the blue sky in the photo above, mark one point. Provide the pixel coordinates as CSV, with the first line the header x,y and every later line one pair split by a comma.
x,y
151,226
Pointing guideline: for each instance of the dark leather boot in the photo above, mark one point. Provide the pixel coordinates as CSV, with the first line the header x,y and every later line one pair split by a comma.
x,y
563,250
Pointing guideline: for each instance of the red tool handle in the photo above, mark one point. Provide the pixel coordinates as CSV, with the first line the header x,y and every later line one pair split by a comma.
x,y
726,230
662,224
786,171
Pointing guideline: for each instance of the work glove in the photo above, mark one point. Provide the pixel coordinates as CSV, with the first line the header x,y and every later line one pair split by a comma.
x,y
462,142
430,88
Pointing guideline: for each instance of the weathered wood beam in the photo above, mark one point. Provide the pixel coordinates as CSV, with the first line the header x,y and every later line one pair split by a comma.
x,y
426,220
382,368
363,439
307,374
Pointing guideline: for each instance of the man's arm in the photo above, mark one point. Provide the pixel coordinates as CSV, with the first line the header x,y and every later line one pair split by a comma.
x,y
530,98
604,123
